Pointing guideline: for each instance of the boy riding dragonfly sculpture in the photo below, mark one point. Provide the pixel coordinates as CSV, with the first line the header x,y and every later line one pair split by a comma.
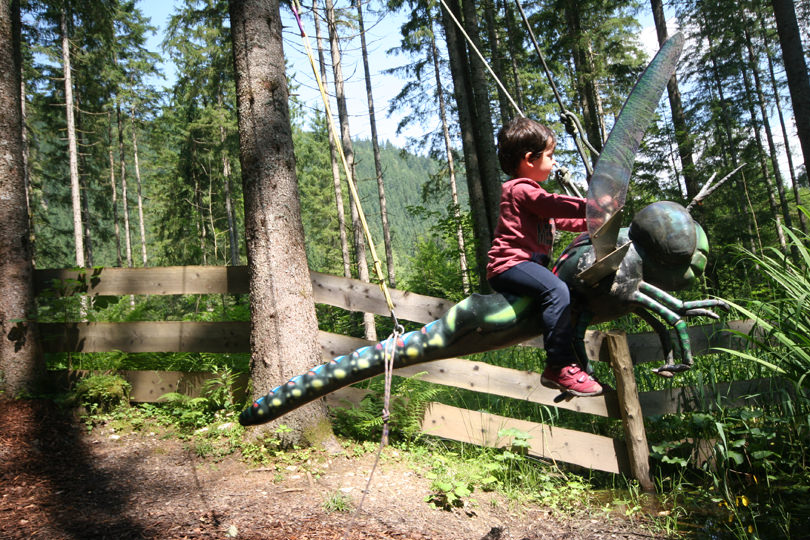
x,y
609,271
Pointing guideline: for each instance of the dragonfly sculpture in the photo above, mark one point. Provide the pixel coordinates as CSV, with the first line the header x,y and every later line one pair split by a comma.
x,y
611,271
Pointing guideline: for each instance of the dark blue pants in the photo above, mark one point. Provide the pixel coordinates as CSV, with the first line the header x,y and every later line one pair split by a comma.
x,y
532,279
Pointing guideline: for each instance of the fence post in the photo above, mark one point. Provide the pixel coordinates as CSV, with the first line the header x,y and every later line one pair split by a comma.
x,y
632,418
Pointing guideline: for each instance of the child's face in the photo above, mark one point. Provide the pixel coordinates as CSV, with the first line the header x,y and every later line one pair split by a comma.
x,y
540,168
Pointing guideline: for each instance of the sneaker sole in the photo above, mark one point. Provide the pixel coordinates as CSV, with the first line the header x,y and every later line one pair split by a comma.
x,y
557,386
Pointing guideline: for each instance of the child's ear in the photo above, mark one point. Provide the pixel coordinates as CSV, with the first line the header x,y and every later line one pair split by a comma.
x,y
527,158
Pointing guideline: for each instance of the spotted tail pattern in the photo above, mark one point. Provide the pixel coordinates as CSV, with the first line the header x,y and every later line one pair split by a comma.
x,y
476,324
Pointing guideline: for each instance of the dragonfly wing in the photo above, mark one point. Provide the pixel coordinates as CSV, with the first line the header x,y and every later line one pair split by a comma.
x,y
608,187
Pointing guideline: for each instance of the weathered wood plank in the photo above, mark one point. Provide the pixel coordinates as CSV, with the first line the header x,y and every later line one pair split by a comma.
x,y
163,280
350,294
559,444
146,336
506,382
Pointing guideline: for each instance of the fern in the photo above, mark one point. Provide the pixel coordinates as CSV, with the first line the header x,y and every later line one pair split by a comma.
x,y
409,398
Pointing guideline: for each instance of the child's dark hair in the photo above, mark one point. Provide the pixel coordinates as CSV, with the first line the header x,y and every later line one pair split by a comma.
x,y
520,136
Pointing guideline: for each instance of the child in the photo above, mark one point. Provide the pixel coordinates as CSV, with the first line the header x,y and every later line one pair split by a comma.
x,y
520,250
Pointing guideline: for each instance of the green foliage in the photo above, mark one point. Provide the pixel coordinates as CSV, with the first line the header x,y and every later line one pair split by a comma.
x,y
409,398
101,393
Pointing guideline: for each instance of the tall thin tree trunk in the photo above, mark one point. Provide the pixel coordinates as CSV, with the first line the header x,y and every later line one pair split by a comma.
x,y
515,43
731,151
348,151
21,362
375,144
778,102
763,164
682,137
202,230
482,127
760,99
124,194
141,224
284,328
73,153
233,237
462,251
462,91
25,154
341,212
504,106
584,75
796,69
114,190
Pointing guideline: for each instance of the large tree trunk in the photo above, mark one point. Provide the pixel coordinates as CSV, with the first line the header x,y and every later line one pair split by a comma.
x,y
796,68
341,212
284,328
348,151
73,153
682,137
114,190
21,366
389,251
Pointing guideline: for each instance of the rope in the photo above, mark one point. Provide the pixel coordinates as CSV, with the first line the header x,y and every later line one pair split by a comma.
x,y
474,48
569,119
296,6
390,349
389,352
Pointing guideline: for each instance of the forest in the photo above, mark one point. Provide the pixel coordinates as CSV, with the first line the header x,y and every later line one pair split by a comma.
x,y
122,167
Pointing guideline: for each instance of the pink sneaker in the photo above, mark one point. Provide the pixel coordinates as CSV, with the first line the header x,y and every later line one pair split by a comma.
x,y
571,379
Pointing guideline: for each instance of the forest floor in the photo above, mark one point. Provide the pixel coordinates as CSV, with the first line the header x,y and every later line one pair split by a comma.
x,y
60,481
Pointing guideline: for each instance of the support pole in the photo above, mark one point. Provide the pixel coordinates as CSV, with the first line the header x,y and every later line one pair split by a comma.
x,y
632,419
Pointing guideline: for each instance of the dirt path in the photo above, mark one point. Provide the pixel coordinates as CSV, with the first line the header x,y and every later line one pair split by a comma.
x,y
57,481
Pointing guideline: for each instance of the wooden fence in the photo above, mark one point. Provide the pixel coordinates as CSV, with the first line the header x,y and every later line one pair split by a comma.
x,y
629,456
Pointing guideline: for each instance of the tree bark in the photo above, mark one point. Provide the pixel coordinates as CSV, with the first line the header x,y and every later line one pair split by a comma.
x,y
760,99
348,151
375,144
482,127
796,68
462,251
778,102
124,195
21,364
73,153
114,190
466,117
341,212
141,225
762,163
284,328
584,76
233,237
682,137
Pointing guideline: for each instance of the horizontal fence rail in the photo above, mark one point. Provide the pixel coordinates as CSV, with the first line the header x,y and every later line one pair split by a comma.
x,y
554,443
